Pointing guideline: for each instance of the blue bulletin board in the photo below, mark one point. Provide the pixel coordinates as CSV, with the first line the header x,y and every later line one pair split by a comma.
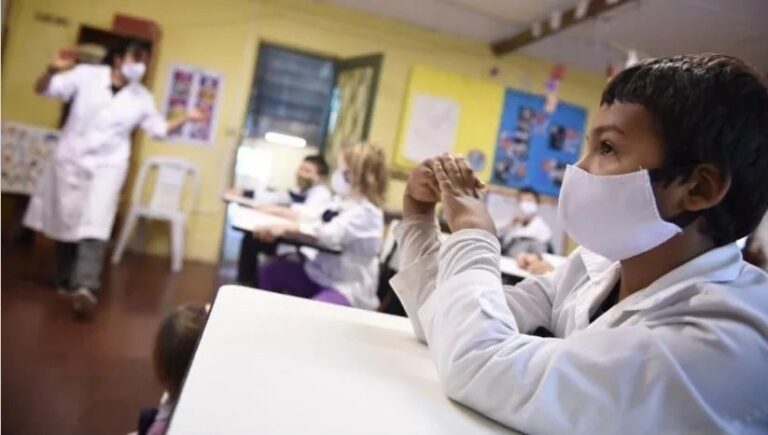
x,y
533,147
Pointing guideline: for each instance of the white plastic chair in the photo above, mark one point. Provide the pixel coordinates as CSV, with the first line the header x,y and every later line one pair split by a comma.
x,y
165,203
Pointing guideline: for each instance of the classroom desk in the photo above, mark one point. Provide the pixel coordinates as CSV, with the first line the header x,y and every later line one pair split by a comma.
x,y
246,219
231,197
275,364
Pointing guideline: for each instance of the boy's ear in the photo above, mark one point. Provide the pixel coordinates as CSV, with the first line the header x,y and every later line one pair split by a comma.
x,y
707,187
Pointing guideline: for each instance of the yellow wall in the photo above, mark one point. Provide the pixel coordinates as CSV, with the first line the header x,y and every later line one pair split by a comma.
x,y
223,35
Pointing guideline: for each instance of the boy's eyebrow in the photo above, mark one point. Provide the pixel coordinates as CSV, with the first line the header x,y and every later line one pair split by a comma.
x,y
606,128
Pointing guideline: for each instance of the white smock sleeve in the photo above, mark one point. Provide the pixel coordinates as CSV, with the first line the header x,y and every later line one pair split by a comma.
x,y
154,123
629,379
63,85
357,230
419,244
318,200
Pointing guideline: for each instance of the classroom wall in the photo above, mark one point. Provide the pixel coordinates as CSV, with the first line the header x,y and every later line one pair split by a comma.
x,y
224,36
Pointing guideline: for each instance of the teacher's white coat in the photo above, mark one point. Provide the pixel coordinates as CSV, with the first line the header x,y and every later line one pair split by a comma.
x,y
78,193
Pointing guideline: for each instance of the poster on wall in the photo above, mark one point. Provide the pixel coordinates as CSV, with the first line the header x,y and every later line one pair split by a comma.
x,y
193,88
534,147
432,127
26,150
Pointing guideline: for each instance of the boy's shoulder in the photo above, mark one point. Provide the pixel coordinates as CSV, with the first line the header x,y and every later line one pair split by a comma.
x,y
737,307
748,292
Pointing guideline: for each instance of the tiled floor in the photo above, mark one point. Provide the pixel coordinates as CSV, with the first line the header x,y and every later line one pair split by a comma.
x,y
63,376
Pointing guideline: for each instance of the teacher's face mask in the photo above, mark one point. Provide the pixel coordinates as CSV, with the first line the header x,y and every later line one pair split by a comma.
x,y
133,71
614,216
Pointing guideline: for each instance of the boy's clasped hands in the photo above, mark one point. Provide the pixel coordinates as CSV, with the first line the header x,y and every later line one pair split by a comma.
x,y
448,179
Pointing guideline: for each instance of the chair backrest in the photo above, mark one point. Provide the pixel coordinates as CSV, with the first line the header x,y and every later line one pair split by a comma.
x,y
172,174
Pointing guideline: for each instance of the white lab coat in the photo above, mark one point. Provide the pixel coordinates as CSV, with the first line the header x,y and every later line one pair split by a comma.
x,y
687,354
358,230
77,194
537,229
318,199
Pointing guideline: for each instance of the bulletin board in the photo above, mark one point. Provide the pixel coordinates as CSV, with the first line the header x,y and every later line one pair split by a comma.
x,y
448,112
534,147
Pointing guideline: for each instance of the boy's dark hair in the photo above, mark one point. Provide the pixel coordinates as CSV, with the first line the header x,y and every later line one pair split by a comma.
x,y
134,47
175,344
320,164
708,108
529,191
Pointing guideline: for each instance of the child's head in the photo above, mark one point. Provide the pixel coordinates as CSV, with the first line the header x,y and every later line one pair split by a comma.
x,y
312,170
364,167
699,123
175,344
528,200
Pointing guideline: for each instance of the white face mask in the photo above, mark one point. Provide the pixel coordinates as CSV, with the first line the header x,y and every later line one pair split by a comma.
x,y
134,71
529,207
339,184
612,215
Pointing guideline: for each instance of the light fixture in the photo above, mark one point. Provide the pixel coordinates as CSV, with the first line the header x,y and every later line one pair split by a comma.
x,y
285,139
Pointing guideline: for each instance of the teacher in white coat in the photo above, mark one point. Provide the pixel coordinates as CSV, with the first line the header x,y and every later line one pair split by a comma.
x,y
77,196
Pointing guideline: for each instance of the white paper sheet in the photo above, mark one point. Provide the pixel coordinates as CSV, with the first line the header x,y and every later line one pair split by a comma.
x,y
431,128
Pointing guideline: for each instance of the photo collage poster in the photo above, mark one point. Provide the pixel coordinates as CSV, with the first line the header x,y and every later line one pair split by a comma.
x,y
190,88
533,146
26,151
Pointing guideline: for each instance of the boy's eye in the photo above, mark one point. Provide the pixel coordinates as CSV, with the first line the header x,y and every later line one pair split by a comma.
x,y
605,148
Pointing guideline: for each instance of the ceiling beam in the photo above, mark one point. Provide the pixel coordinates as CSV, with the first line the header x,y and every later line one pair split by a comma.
x,y
568,19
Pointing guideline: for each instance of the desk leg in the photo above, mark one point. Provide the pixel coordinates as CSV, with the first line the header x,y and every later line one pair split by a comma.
x,y
247,263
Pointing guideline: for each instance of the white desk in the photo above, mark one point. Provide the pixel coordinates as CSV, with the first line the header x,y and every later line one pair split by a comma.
x,y
274,364
247,219
509,265
234,198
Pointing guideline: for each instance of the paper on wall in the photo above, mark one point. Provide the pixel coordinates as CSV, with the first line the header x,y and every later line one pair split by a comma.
x,y
432,126
26,151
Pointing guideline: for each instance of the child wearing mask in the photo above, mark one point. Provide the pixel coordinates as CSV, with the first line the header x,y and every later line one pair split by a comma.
x,y
654,325
305,203
355,225
527,232
311,195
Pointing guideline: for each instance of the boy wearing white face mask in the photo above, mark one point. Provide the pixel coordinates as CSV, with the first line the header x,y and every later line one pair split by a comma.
x,y
527,232
355,225
76,198
654,325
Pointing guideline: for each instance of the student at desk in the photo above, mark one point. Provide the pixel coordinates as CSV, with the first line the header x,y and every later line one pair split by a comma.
x,y
527,232
655,325
355,225
306,203
310,193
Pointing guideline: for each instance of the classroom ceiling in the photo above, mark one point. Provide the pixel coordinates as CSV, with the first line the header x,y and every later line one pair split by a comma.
x,y
652,27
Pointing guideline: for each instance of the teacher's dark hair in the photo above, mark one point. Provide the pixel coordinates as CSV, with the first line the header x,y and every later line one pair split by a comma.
x,y
136,48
